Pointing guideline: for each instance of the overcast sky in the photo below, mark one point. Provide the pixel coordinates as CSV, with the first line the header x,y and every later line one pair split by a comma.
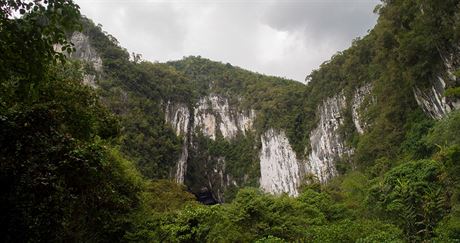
x,y
286,38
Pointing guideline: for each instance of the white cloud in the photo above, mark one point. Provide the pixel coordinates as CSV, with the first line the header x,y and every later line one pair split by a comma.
x,y
276,37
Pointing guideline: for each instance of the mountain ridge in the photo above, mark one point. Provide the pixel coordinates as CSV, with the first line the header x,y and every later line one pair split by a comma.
x,y
325,128
92,146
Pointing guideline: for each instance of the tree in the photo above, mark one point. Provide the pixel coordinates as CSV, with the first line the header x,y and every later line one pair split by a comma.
x,y
414,195
61,180
28,32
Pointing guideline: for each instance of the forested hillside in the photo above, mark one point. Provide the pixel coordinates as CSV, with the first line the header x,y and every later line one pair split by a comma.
x,y
98,145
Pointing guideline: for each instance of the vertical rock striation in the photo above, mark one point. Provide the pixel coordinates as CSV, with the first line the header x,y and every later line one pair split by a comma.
x,y
281,170
431,99
279,167
357,102
181,167
178,116
214,114
85,52
326,144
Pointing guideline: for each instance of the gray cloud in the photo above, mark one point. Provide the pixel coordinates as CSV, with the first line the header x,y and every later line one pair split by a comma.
x,y
149,28
331,20
283,38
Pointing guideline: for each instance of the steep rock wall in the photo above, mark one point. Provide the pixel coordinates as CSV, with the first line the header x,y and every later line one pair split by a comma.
x,y
178,116
85,52
326,144
214,114
281,170
357,102
223,181
431,99
279,167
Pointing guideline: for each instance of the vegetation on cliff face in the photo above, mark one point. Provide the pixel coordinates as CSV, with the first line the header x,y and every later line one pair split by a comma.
x,y
137,91
75,161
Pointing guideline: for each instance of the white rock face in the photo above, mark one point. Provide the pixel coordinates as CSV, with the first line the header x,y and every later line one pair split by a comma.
x,y
181,166
220,171
205,119
432,100
357,101
178,115
213,113
84,50
246,120
279,167
326,143
281,170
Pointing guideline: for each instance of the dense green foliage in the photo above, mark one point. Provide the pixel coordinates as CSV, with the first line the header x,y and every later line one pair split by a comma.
x,y
134,92
137,93
406,180
414,195
253,216
415,201
71,156
278,101
402,51
240,160
61,179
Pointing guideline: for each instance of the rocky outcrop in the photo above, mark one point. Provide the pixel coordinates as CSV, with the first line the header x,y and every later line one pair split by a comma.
x,y
279,168
357,102
213,114
327,146
181,166
282,171
431,99
85,52
178,116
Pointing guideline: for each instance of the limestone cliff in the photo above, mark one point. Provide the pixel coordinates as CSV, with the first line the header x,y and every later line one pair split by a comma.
x,y
431,98
212,117
178,115
326,144
279,167
215,120
281,170
84,51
